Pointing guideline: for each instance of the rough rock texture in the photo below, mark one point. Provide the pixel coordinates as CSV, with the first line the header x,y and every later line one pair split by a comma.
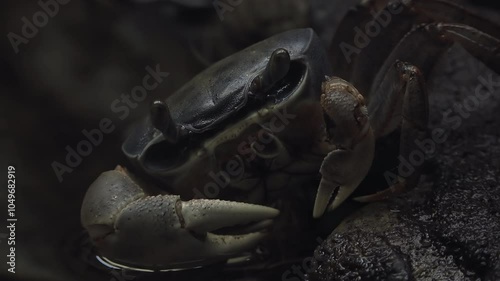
x,y
449,227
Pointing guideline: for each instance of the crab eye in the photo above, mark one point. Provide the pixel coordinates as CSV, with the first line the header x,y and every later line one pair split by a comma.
x,y
162,121
276,69
278,66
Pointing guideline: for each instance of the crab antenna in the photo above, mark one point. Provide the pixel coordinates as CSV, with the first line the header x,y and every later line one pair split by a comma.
x,y
162,120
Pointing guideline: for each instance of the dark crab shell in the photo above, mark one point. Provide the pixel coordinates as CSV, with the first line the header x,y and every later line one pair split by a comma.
x,y
219,94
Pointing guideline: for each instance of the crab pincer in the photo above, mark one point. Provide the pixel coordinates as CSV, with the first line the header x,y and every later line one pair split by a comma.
x,y
131,227
352,144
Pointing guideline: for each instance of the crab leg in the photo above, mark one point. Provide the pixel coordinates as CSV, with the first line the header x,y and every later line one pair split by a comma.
x,y
385,100
409,96
481,45
449,12
133,228
434,39
454,23
401,35
344,35
414,104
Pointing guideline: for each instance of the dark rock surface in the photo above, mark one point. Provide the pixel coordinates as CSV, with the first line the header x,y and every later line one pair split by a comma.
x,y
448,228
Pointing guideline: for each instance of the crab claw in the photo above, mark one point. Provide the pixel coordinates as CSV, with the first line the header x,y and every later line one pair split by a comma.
x,y
132,228
348,129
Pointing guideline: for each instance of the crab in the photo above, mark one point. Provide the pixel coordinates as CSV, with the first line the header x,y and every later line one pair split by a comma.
x,y
215,163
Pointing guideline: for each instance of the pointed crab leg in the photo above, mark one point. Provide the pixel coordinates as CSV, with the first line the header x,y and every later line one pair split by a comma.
x,y
395,90
412,115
